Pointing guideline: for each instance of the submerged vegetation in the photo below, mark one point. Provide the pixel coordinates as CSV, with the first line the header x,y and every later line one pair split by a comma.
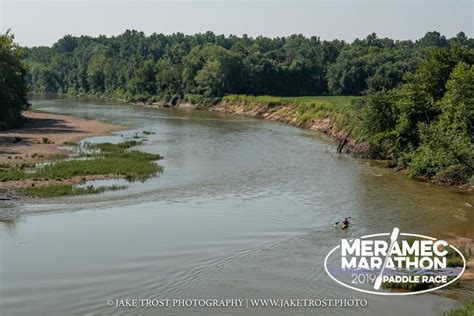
x,y
91,160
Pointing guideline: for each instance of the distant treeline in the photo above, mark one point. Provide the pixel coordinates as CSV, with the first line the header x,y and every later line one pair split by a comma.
x,y
206,66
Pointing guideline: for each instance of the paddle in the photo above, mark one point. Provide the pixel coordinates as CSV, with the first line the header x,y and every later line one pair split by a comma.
x,y
339,221
393,238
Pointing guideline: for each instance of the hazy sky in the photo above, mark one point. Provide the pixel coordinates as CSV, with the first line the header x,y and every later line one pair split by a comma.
x,y
39,22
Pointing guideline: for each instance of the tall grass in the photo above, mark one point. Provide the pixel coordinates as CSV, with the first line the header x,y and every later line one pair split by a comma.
x,y
302,109
466,310
338,104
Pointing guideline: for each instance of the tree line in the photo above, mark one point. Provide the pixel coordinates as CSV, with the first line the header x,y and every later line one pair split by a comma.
x,y
206,66
417,109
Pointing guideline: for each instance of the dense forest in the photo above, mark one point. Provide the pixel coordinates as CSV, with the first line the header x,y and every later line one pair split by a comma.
x,y
427,123
13,89
206,66
416,109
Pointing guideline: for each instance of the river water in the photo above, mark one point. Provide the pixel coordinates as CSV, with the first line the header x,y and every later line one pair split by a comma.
x,y
244,209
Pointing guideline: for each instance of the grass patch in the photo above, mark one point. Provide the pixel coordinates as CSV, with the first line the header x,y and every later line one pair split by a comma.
x,y
466,310
317,104
67,189
93,160
303,109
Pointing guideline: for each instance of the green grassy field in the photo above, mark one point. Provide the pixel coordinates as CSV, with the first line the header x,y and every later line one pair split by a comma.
x,y
327,103
303,109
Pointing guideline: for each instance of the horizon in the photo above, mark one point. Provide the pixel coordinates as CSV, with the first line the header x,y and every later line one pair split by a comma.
x,y
240,36
343,20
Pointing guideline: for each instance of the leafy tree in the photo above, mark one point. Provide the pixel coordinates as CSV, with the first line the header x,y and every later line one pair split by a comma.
x,y
447,151
426,123
13,89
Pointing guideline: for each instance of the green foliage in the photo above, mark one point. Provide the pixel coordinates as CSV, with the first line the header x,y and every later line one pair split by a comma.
x,y
95,159
466,310
301,110
13,89
427,123
206,66
417,111
446,152
340,104
372,63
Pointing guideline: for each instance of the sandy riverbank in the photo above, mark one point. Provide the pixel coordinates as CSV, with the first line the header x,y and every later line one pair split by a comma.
x,y
43,135
42,139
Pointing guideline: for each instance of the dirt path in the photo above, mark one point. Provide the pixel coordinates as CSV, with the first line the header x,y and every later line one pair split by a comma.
x,y
44,133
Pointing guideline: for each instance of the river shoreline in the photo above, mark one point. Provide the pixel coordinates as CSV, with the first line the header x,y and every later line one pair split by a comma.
x,y
151,123
42,139
286,115
329,127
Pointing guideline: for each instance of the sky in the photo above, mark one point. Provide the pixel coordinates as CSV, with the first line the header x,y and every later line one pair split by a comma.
x,y
40,22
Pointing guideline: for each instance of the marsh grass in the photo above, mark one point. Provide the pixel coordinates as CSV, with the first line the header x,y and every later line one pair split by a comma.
x,y
104,159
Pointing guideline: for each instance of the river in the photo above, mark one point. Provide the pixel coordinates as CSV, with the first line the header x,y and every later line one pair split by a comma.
x,y
244,209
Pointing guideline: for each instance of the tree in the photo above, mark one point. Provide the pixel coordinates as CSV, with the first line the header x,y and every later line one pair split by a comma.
x,y
13,89
447,151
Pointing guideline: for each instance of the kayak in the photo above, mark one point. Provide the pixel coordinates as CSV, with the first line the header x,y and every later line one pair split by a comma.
x,y
344,226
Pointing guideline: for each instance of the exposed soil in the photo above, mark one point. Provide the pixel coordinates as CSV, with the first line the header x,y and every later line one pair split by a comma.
x,y
41,138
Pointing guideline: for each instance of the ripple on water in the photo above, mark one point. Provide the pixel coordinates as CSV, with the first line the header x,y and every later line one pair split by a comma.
x,y
244,208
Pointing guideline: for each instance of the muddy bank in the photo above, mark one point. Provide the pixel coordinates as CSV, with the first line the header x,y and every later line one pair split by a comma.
x,y
42,139
44,134
288,115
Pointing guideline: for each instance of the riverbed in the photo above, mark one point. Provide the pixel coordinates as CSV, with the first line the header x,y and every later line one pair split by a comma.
x,y
244,209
